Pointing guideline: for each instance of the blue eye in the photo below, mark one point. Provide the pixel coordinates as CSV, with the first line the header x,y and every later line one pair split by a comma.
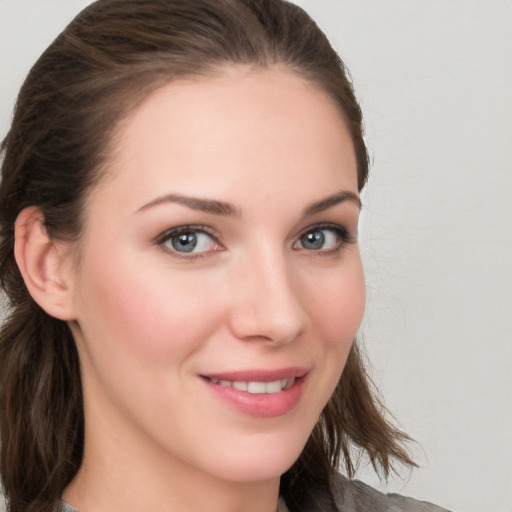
x,y
187,240
323,239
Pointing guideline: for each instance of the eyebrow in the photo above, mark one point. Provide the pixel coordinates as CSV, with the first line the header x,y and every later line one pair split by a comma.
x,y
329,202
195,203
216,207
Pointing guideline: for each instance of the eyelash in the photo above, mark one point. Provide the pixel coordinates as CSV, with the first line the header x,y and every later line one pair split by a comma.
x,y
340,232
344,238
165,237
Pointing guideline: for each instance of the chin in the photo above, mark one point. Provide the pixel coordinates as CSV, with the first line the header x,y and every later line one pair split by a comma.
x,y
260,460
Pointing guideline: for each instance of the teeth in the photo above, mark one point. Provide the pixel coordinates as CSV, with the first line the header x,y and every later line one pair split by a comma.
x,y
273,387
242,386
257,387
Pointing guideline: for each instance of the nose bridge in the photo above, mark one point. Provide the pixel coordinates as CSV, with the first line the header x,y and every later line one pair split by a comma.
x,y
267,304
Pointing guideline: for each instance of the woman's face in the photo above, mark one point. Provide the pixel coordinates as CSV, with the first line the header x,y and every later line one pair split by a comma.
x,y
219,284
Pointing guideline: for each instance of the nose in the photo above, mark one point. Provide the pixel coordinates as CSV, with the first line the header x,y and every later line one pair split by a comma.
x,y
266,303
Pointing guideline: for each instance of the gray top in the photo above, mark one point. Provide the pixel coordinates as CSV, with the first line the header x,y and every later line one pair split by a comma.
x,y
354,496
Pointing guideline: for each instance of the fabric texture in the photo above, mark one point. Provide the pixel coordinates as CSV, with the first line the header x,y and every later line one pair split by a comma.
x,y
356,496
353,496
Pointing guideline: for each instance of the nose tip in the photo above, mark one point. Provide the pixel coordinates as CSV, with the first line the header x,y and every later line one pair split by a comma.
x,y
250,324
267,307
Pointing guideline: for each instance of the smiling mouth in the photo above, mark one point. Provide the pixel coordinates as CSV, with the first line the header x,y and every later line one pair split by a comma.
x,y
255,387
259,393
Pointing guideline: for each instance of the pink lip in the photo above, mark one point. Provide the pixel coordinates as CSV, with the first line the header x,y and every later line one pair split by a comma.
x,y
264,405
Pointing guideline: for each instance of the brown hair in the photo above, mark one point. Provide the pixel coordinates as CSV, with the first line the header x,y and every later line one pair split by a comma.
x,y
111,57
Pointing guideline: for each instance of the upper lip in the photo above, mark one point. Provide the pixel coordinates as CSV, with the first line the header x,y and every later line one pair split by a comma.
x,y
259,375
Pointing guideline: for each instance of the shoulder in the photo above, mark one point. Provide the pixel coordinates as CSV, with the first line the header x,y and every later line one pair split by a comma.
x,y
64,508
67,508
356,496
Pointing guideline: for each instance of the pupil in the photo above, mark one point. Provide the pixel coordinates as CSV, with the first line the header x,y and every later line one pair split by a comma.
x,y
313,240
185,242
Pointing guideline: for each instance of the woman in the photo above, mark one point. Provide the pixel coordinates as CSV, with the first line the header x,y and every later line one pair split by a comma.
x,y
179,210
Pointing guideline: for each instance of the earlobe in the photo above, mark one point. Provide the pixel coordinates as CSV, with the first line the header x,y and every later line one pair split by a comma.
x,y
44,265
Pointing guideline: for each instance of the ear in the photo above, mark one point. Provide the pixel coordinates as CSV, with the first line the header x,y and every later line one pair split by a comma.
x,y
44,263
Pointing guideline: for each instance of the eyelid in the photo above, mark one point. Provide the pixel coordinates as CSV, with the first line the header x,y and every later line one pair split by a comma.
x,y
164,237
346,236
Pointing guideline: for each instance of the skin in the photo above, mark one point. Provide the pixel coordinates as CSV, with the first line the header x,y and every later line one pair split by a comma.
x,y
148,320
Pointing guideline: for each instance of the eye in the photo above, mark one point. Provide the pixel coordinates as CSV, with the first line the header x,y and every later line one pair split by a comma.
x,y
323,238
189,240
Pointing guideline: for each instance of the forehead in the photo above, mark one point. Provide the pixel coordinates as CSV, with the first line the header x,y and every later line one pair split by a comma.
x,y
263,125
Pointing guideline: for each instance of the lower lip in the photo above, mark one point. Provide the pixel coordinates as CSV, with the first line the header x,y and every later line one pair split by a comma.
x,y
260,405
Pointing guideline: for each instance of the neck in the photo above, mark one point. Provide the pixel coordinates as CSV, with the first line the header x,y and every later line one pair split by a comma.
x,y
121,473
87,494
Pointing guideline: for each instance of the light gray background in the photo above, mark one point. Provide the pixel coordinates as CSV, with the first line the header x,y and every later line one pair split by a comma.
x,y
434,79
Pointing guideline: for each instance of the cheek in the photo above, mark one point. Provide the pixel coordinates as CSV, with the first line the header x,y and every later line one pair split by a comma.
x,y
337,306
141,314
335,302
